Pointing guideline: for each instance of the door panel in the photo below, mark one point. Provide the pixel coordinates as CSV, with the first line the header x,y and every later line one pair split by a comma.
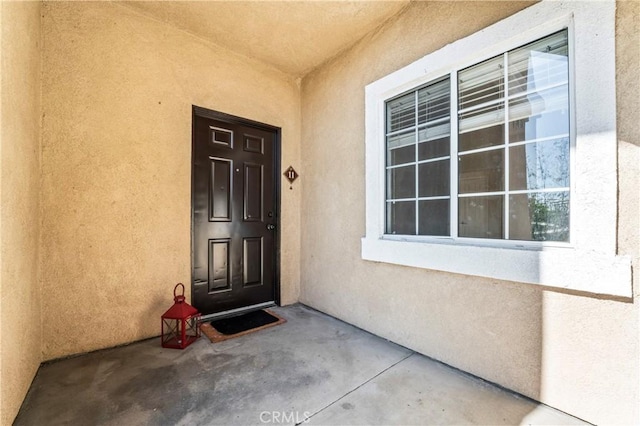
x,y
253,190
220,189
219,261
235,212
252,261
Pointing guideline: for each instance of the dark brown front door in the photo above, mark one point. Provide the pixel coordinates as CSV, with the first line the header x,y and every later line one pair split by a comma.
x,y
235,212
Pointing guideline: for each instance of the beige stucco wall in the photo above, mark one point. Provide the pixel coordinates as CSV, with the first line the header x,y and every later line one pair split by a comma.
x,y
20,330
576,352
116,163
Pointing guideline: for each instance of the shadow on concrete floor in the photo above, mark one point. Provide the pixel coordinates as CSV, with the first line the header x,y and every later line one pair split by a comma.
x,y
313,369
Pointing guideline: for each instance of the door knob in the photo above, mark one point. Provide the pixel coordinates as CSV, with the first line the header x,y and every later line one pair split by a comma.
x,y
271,227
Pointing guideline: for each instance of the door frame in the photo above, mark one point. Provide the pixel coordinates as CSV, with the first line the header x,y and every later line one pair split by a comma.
x,y
232,119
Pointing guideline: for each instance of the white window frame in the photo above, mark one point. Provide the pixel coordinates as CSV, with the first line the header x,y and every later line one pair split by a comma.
x,y
589,262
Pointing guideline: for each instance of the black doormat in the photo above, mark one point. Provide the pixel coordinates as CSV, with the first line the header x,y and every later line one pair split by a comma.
x,y
241,323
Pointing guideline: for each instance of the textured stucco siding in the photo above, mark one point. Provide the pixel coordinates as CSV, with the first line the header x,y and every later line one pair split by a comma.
x,y
20,296
116,158
574,351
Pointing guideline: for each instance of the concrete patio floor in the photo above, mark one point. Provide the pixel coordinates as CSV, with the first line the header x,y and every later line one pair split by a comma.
x,y
313,369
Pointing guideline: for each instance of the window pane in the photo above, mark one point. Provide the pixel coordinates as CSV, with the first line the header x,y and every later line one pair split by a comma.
x,y
481,83
539,115
401,217
401,139
401,148
433,178
540,64
539,165
433,149
481,172
434,102
481,217
433,217
401,182
433,141
401,113
402,155
434,132
539,216
538,83
481,128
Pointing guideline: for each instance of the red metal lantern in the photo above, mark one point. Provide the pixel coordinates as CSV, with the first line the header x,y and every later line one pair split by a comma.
x,y
180,323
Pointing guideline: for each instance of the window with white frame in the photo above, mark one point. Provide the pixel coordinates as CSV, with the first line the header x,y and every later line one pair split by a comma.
x,y
495,155
511,148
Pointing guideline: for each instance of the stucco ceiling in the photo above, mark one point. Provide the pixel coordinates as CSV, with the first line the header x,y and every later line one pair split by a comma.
x,y
293,36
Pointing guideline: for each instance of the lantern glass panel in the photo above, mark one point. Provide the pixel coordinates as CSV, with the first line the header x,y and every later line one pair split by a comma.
x,y
171,334
192,329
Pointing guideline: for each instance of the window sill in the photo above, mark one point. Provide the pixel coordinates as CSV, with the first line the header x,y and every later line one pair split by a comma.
x,y
565,268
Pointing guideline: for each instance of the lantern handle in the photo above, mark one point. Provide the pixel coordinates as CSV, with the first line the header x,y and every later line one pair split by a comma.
x,y
176,287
